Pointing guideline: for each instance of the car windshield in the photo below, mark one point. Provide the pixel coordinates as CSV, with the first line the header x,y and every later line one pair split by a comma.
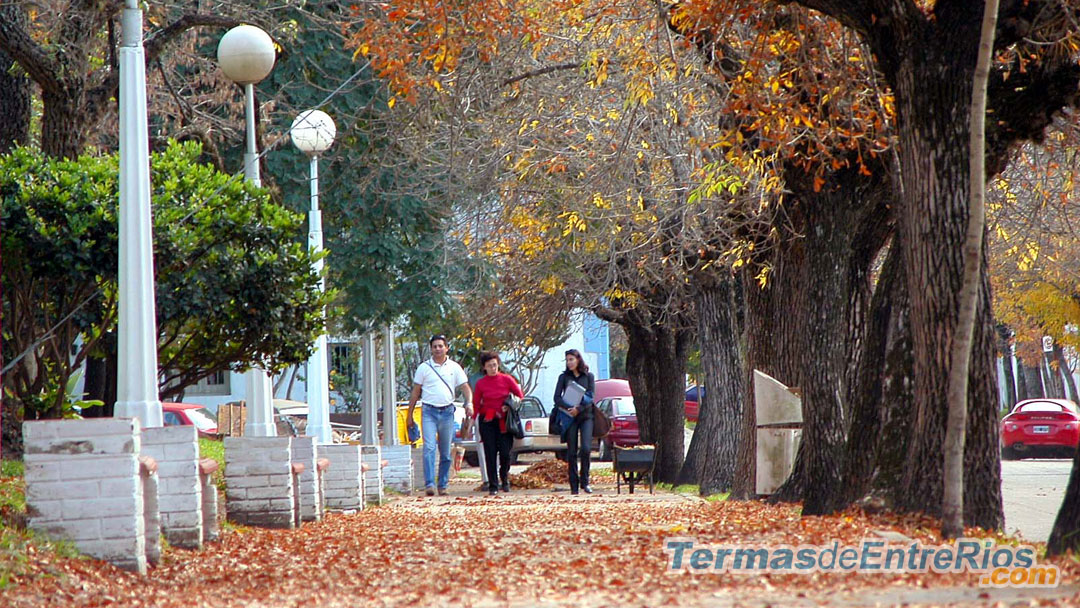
x,y
531,408
623,407
203,419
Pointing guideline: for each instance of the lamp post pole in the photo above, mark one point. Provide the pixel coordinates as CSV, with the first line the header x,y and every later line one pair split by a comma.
x,y
136,387
246,55
312,133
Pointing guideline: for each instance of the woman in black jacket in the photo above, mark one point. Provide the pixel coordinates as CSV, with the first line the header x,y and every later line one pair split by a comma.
x,y
581,413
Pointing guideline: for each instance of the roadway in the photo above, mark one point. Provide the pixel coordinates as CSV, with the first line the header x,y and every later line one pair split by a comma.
x,y
1032,491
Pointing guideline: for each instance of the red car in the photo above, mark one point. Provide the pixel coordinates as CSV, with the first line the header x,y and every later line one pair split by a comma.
x,y
190,414
1049,426
624,425
617,387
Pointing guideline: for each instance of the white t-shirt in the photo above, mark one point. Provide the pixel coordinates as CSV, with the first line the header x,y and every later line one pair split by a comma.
x,y
434,391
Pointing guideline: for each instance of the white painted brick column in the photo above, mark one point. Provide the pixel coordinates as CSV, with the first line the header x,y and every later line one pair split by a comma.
x,y
210,497
343,482
371,455
398,473
306,452
83,485
176,450
259,481
418,467
151,484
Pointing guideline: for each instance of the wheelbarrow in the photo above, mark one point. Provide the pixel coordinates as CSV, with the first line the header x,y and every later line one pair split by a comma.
x,y
633,465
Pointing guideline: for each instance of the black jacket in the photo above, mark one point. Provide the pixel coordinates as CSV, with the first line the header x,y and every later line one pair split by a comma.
x,y
587,381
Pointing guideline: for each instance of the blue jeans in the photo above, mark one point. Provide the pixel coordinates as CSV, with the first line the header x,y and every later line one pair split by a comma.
x,y
437,422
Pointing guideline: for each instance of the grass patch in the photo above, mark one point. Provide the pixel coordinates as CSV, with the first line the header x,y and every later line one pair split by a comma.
x,y
689,489
468,475
214,448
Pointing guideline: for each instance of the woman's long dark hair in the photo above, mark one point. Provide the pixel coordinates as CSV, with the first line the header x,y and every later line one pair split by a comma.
x,y
582,367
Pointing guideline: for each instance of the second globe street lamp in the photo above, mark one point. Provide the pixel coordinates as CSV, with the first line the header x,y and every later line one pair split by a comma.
x,y
246,55
313,132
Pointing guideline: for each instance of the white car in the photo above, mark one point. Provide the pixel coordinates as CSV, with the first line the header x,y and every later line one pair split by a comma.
x,y
534,417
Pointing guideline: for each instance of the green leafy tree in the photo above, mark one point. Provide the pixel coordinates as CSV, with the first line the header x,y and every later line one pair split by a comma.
x,y
234,286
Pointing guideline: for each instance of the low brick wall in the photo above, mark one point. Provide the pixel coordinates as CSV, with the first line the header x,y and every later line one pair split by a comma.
x,y
398,473
176,450
83,484
259,481
343,483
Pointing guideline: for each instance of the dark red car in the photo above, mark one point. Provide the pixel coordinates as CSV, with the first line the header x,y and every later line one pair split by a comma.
x,y
617,387
1040,426
190,414
624,425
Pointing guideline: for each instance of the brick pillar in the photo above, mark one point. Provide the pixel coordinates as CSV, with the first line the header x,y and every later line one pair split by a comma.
x,y
210,530
306,452
151,484
259,481
417,455
83,484
343,482
373,478
398,474
176,450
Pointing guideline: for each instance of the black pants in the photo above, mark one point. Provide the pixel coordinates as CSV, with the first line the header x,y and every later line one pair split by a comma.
x,y
584,427
498,443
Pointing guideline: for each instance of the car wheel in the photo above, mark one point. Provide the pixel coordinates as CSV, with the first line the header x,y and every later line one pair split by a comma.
x,y
472,459
1009,454
605,451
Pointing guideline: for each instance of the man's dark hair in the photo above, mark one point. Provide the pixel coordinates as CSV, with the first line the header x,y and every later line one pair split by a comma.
x,y
438,337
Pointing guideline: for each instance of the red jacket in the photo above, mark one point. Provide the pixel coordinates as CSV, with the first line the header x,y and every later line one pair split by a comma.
x,y
489,395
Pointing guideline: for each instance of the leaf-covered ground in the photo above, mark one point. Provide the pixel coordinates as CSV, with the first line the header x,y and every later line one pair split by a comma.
x,y
526,548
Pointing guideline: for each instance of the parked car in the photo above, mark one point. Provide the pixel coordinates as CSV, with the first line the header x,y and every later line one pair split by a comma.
x,y
617,387
692,402
534,419
624,425
190,414
1040,426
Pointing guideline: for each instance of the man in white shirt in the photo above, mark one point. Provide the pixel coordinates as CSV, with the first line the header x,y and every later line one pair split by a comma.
x,y
434,384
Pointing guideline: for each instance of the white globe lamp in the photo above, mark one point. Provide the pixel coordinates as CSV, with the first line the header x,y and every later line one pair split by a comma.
x,y
246,54
313,132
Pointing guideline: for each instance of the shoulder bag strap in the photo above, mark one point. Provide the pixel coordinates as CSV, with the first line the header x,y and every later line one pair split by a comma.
x,y
448,387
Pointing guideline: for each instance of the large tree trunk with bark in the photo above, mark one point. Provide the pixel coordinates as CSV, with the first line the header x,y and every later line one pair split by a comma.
x,y
1065,535
710,462
14,89
868,407
660,376
934,169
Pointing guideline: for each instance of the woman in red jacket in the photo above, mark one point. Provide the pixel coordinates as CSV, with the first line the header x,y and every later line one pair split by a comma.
x,y
490,412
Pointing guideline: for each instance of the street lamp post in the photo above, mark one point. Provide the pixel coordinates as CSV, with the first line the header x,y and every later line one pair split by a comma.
x,y
136,387
313,132
246,55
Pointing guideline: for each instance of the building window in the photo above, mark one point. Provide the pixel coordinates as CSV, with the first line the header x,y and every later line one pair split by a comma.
x,y
213,385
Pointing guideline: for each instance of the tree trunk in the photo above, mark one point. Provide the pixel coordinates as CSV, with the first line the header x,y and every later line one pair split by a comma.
x,y
710,462
933,148
1066,374
1033,381
868,407
14,89
822,330
1065,535
662,380
968,296
1004,350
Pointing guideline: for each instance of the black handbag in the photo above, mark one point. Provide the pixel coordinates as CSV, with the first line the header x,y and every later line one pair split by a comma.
x,y
513,423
